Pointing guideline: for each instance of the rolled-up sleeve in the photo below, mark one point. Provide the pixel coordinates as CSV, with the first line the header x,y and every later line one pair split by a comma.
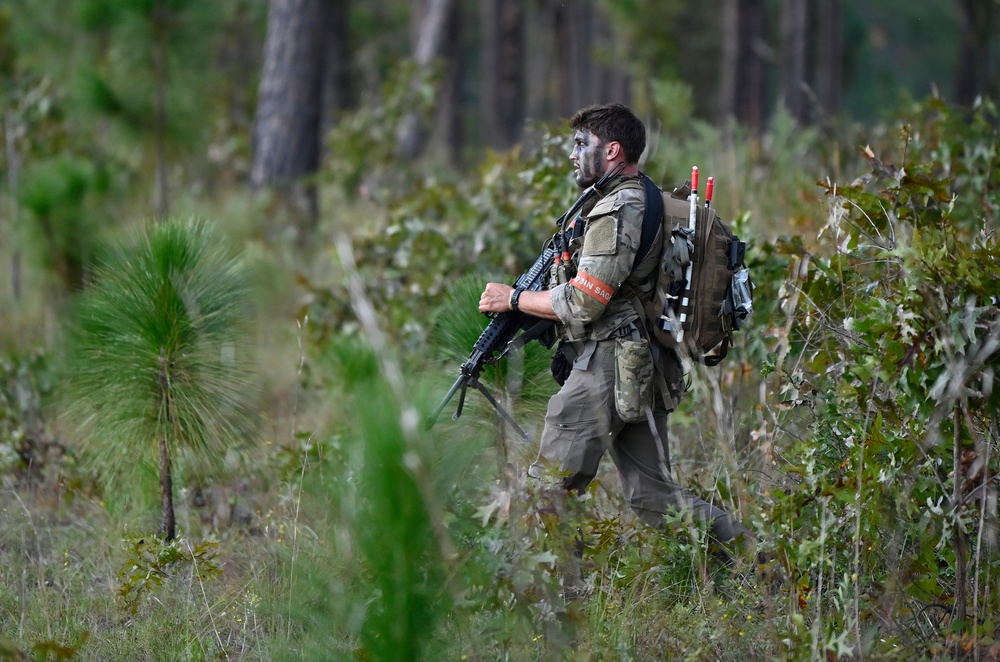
x,y
610,244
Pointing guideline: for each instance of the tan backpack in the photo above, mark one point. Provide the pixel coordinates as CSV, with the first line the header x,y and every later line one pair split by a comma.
x,y
703,290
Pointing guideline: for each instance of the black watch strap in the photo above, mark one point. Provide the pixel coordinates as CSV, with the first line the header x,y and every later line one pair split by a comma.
x,y
514,296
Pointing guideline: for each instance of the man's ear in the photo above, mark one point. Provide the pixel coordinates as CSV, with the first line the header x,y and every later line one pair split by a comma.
x,y
613,150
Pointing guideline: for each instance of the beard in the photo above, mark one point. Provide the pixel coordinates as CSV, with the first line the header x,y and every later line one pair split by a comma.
x,y
590,169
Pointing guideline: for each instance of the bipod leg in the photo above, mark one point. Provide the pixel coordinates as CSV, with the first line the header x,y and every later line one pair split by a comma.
x,y
461,402
459,383
500,410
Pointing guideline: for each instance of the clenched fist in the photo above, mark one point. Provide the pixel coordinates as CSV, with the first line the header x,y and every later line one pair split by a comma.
x,y
495,298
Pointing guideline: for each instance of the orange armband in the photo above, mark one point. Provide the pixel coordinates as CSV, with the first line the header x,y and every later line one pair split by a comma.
x,y
592,287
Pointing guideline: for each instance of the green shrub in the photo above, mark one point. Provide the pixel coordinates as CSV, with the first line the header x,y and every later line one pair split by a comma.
x,y
884,504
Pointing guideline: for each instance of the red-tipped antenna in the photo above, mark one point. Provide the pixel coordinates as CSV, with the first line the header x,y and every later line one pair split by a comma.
x,y
709,187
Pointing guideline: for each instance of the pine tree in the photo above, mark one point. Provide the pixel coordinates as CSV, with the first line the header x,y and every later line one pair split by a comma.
x,y
159,370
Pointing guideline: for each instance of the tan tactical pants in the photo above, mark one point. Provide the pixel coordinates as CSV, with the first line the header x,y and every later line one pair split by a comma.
x,y
581,425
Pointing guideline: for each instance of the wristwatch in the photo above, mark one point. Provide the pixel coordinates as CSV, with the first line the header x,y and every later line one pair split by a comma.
x,y
515,294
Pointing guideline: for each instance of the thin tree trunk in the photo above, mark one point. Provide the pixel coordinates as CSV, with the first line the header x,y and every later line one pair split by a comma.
x,y
430,41
608,82
160,109
289,105
450,124
974,70
830,56
742,77
337,95
794,53
539,60
503,75
13,175
961,565
572,63
168,523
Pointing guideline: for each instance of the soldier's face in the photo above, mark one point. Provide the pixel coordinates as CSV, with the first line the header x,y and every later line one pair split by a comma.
x,y
587,158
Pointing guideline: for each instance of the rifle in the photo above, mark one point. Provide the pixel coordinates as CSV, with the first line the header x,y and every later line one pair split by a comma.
x,y
499,335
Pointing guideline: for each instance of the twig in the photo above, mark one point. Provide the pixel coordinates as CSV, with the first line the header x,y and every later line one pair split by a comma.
x,y
305,461
979,549
818,625
859,494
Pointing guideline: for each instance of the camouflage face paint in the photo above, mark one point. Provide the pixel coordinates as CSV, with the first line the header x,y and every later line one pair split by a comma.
x,y
587,158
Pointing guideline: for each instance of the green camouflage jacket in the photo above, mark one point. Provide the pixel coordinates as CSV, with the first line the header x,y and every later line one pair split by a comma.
x,y
596,303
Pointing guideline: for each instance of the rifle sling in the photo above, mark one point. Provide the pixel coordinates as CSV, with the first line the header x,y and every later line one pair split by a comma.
x,y
533,332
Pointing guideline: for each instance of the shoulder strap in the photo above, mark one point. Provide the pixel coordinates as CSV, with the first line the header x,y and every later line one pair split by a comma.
x,y
651,218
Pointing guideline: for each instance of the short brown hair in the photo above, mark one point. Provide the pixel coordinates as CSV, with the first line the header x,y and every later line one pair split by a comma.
x,y
613,122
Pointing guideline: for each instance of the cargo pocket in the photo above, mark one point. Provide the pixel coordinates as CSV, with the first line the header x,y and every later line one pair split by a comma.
x,y
570,450
633,379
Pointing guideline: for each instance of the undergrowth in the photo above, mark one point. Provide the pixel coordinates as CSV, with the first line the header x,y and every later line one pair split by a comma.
x,y
853,429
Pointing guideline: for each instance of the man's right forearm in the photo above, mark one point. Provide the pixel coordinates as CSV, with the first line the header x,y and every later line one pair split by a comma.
x,y
537,304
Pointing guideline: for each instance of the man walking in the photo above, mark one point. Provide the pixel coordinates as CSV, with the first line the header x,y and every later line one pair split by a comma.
x,y
593,311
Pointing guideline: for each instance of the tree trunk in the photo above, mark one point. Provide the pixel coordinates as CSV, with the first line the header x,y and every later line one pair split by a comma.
x,y
411,133
794,57
13,175
503,75
287,129
975,75
539,60
611,83
160,28
450,119
829,56
742,77
337,92
168,523
572,61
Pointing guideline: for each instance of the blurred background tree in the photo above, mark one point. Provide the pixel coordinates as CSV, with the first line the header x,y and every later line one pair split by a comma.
x,y
183,79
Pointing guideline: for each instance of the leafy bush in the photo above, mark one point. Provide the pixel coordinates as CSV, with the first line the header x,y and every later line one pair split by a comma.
x,y
150,560
27,448
885,504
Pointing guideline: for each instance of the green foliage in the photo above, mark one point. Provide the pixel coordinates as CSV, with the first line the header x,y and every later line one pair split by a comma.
x,y
365,140
436,230
523,375
159,351
386,487
142,46
863,460
48,649
64,230
890,382
150,561
24,381
653,41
